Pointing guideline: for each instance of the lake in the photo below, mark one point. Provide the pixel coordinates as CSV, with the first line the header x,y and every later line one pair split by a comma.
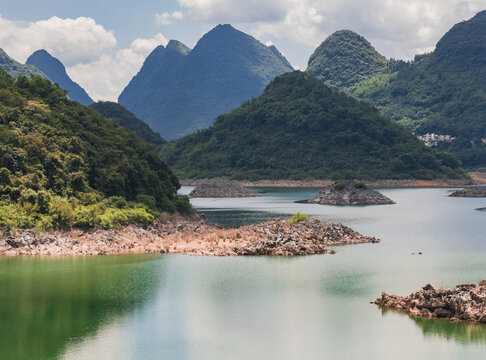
x,y
316,307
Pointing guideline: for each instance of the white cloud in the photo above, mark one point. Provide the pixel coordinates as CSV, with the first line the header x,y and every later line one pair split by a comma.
x,y
397,28
106,77
166,18
234,11
75,41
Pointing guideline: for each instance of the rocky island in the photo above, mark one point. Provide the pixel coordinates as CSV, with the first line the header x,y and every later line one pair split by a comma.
x,y
350,193
220,189
470,192
189,235
463,303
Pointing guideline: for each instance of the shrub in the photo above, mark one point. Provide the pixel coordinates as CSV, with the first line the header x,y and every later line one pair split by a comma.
x,y
183,204
62,212
360,185
339,185
84,217
297,218
147,200
44,222
140,215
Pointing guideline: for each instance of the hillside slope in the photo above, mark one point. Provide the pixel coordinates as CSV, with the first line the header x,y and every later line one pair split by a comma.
x,y
301,129
125,118
14,68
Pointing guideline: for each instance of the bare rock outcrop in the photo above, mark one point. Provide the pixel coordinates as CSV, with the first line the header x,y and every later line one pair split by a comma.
x,y
221,189
350,193
470,192
465,302
191,236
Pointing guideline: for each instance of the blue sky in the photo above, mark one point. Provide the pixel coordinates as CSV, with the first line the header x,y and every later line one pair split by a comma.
x,y
104,42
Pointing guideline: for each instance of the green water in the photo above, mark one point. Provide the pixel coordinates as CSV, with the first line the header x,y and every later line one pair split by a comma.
x,y
181,307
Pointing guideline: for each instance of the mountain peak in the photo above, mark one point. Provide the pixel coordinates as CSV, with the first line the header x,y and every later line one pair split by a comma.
x,y
187,90
464,46
345,58
179,47
56,72
15,68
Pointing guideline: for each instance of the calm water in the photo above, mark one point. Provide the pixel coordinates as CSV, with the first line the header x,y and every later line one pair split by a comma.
x,y
180,307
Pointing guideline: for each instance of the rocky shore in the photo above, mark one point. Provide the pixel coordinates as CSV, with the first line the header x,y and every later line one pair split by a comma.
x,y
470,192
191,236
220,189
476,179
463,303
350,193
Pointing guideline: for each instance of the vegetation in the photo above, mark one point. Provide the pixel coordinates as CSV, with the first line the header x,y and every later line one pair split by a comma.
x,y
125,118
62,164
344,59
301,129
179,91
297,218
339,185
442,92
359,185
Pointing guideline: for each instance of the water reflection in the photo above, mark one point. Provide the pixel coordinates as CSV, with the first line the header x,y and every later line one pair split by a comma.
x,y
461,332
46,304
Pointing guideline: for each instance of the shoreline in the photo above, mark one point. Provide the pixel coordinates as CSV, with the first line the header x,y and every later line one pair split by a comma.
x,y
477,178
189,235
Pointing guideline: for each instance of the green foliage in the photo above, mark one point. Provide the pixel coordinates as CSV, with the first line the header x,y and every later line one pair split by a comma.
x,y
345,58
64,165
442,92
338,185
359,185
302,129
296,218
125,118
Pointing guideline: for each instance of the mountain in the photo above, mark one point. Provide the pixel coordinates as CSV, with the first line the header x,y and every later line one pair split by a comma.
x,y
123,117
15,68
63,164
179,91
300,128
56,72
442,92
344,59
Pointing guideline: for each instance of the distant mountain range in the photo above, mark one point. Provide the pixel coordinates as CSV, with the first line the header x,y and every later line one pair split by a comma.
x,y
302,129
179,90
14,68
442,92
56,72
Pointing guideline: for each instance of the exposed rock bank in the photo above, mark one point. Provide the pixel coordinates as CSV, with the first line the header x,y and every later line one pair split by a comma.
x,y
463,303
221,189
349,194
192,236
470,192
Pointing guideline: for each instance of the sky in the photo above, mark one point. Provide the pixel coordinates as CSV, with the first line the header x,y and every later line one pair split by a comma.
x,y
103,43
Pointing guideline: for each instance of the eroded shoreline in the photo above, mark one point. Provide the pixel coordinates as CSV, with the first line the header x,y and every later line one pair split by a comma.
x,y
476,179
188,235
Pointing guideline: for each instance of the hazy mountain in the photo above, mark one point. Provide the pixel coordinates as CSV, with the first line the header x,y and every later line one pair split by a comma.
x,y
15,68
56,72
125,118
179,91
302,129
442,92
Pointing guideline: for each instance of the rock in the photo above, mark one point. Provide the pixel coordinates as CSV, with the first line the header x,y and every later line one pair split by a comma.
x,y
221,189
466,302
470,192
350,194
